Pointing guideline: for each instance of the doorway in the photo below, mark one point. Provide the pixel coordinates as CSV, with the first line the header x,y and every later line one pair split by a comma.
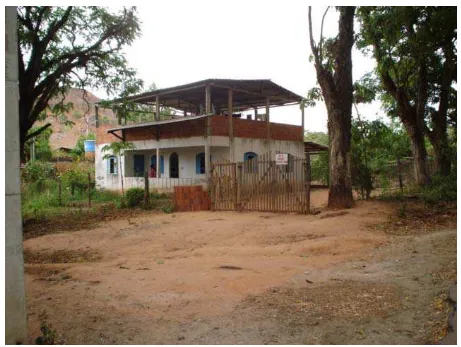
x,y
174,165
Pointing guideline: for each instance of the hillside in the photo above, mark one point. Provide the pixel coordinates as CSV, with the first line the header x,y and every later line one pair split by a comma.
x,y
82,114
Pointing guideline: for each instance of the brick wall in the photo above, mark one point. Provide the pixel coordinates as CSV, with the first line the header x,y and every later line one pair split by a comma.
x,y
191,198
219,127
103,137
286,132
250,129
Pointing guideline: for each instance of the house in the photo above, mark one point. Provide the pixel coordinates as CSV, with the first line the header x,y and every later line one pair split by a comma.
x,y
220,120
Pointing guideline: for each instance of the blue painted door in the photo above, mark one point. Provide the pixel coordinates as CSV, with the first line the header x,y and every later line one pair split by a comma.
x,y
139,167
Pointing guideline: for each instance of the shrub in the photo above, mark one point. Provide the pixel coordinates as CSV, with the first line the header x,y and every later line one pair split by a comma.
x,y
441,189
34,171
134,197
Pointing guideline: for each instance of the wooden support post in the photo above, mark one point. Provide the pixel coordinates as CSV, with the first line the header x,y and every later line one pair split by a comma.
x,y
208,135
231,125
157,163
96,116
256,113
157,108
146,189
234,173
59,191
268,125
239,186
89,189
302,122
308,183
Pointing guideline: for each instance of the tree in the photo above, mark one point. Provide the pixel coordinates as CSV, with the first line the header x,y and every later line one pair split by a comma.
x,y
415,52
118,149
333,65
41,143
60,48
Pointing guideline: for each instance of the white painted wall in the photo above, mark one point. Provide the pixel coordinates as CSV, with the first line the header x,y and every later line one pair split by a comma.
x,y
187,149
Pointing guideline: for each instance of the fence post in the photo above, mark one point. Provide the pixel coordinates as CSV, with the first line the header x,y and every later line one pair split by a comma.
x,y
89,189
211,186
59,191
308,183
400,175
234,169
146,189
239,186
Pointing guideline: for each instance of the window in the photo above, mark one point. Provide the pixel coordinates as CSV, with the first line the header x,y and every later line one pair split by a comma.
x,y
250,162
138,165
112,165
153,161
200,163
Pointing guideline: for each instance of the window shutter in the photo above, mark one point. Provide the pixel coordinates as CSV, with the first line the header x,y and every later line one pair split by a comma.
x,y
197,164
108,165
161,164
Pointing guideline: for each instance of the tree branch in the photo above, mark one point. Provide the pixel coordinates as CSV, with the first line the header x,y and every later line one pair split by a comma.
x,y
321,34
38,131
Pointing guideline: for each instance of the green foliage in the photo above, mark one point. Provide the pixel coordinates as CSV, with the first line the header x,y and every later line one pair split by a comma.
x,y
373,146
441,189
79,149
168,209
65,47
42,144
319,162
117,149
134,197
76,179
34,171
48,335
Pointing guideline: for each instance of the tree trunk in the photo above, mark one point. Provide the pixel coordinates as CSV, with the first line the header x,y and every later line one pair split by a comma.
x,y
339,129
442,156
418,148
337,92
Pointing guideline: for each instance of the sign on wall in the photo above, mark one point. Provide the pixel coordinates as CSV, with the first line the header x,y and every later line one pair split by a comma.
x,y
281,159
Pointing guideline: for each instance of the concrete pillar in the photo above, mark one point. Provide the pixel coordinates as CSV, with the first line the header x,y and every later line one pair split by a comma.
x,y
208,134
231,125
268,125
157,171
157,108
15,296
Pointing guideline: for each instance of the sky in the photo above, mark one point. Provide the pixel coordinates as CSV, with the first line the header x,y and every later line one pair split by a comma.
x,y
187,41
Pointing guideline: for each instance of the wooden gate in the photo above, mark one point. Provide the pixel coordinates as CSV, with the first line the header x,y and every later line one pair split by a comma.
x,y
261,185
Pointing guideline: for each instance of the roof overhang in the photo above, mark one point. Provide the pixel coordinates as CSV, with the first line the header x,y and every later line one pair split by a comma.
x,y
247,94
314,148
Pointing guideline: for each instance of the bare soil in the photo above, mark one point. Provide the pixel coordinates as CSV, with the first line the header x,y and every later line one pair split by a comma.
x,y
243,278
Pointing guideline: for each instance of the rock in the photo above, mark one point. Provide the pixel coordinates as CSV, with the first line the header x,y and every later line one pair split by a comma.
x,y
452,294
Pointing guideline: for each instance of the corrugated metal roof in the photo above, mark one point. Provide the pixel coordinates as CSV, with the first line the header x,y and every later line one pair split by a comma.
x,y
247,93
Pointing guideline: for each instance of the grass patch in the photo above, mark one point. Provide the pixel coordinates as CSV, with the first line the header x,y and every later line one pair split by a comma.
x,y
61,256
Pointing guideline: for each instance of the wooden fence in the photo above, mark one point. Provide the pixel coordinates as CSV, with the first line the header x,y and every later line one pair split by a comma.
x,y
261,185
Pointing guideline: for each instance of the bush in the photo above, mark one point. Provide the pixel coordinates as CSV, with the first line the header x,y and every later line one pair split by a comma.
x,y
35,171
134,197
76,178
441,189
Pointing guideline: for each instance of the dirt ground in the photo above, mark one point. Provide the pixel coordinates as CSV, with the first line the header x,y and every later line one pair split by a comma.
x,y
242,278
